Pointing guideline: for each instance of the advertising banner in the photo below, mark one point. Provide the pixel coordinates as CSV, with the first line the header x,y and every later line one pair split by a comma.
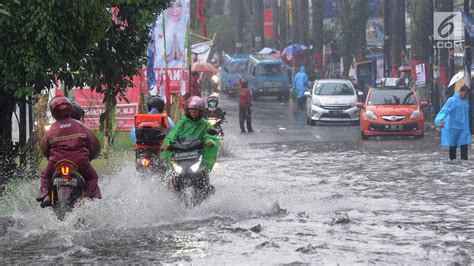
x,y
168,51
92,103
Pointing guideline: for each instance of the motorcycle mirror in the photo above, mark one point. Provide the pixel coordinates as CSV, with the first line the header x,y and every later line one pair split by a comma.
x,y
212,131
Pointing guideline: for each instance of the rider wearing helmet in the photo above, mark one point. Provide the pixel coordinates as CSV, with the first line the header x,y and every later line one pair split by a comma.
x,y
77,111
194,126
68,139
213,109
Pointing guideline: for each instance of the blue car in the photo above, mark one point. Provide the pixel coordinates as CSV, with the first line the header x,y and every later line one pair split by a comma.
x,y
233,68
268,76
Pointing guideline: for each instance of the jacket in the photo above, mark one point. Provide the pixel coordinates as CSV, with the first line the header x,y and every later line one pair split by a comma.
x,y
455,114
245,99
301,83
196,130
70,139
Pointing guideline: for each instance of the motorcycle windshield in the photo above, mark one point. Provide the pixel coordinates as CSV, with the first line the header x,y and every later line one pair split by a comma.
x,y
186,144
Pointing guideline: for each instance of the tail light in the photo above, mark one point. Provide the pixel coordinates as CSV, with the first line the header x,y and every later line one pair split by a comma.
x,y
145,162
65,170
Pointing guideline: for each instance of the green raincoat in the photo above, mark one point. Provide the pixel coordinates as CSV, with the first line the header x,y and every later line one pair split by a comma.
x,y
196,130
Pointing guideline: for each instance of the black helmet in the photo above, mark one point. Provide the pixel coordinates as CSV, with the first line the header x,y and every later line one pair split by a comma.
x,y
77,111
155,102
213,102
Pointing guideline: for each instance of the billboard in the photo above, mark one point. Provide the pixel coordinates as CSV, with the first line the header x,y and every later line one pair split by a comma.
x,y
167,68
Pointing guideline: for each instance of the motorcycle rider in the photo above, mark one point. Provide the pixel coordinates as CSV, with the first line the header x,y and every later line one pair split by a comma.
x,y
193,125
213,110
155,105
68,139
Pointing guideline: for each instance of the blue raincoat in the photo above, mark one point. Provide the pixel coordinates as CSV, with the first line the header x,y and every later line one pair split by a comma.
x,y
300,83
455,114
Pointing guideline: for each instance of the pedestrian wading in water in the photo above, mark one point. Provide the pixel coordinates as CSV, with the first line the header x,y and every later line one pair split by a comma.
x,y
454,121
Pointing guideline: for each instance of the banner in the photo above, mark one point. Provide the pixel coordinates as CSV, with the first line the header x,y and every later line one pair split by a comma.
x,y
268,23
92,103
167,52
200,51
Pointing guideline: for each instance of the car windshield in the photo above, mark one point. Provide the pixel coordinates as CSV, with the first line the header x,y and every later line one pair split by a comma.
x,y
392,97
237,67
338,89
270,70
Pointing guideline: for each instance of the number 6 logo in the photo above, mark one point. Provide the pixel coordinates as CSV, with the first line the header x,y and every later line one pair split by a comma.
x,y
446,23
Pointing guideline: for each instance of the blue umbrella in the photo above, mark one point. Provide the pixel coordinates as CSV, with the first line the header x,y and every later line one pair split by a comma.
x,y
293,49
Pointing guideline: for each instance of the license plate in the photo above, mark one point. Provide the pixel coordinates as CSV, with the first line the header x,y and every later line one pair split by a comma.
x,y
274,90
393,127
186,155
336,112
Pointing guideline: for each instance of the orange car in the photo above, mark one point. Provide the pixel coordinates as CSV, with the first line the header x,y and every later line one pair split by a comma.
x,y
392,111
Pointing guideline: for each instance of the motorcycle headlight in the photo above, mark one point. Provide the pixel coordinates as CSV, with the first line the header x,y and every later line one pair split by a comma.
x,y
177,168
415,114
215,78
371,115
317,102
47,127
195,167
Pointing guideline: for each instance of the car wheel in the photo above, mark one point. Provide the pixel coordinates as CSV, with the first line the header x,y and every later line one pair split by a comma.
x,y
308,121
364,137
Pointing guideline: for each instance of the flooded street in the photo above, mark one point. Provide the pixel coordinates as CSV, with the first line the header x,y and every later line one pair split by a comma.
x,y
287,193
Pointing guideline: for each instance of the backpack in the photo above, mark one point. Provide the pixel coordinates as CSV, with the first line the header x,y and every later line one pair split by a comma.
x,y
151,129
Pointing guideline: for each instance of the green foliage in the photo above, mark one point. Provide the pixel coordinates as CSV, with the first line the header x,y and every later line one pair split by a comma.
x,y
45,40
222,26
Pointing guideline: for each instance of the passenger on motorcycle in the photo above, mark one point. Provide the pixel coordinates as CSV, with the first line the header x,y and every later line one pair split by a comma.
x,y
194,126
213,110
155,105
68,139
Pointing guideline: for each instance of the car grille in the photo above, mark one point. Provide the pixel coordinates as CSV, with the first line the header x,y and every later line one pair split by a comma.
x,y
335,115
393,118
393,127
336,107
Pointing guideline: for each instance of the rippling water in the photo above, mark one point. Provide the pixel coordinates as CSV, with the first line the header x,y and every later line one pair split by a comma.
x,y
346,202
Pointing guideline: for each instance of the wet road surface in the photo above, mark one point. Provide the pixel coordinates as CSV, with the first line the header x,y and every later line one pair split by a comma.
x,y
287,193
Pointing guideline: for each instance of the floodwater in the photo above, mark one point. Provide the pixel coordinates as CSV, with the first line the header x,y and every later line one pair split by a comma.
x,y
378,201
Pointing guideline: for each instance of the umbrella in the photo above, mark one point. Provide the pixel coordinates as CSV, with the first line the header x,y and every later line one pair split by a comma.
x,y
293,49
267,50
459,76
203,67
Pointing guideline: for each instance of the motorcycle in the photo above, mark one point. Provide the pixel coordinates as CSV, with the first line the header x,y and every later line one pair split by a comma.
x,y
189,178
68,187
148,161
217,125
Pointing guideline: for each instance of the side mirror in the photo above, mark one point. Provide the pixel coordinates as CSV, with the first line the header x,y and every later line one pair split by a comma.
x,y
307,94
423,104
360,105
212,131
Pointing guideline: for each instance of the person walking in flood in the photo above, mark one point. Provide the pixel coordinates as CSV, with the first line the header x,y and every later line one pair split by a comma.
x,y
454,121
245,105
301,84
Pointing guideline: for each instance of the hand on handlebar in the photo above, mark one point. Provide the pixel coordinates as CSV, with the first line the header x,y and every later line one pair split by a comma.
x,y
208,144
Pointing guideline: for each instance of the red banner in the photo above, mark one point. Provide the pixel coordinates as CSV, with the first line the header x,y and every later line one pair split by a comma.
x,y
177,77
92,103
268,23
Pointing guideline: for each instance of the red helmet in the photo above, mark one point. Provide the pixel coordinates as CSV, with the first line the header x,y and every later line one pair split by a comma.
x,y
195,102
60,107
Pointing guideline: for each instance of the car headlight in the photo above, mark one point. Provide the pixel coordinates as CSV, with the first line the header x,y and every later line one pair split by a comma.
x,y
215,78
371,115
195,166
415,114
177,168
317,102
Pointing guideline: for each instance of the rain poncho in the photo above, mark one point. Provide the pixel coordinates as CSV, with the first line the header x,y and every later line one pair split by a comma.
x,y
455,114
196,130
300,83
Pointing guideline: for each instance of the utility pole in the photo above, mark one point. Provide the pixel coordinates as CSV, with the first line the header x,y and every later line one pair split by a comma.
x,y
468,62
259,20
444,72
387,36
397,19
238,14
318,33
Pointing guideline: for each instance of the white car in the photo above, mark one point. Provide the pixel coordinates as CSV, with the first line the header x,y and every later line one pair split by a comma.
x,y
332,100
